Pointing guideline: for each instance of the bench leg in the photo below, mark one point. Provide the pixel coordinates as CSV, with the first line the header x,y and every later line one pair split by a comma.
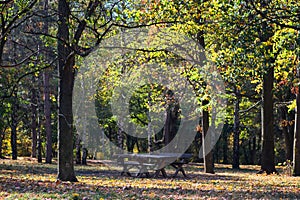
x,y
163,172
179,168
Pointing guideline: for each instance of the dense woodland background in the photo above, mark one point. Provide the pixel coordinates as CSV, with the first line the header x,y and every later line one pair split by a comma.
x,y
254,44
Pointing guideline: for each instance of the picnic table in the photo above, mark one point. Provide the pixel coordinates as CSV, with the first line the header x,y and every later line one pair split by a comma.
x,y
145,162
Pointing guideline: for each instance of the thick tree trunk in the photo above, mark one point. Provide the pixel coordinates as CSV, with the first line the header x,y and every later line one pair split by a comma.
x,y
267,117
33,124
296,149
65,131
236,133
65,116
268,154
207,156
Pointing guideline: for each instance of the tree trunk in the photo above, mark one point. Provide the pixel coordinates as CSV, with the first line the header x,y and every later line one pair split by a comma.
x,y
1,144
167,126
225,147
14,123
65,131
33,124
252,148
207,156
288,135
47,112
120,138
2,44
268,154
65,116
47,105
39,142
259,148
236,133
84,156
78,150
296,150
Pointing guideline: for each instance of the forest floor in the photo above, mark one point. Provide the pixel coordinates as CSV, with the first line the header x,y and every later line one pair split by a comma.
x,y
26,179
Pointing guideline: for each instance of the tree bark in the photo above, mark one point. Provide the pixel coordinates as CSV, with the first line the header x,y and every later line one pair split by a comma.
x,y
252,148
65,130
267,117
47,112
65,116
268,154
288,135
39,141
2,44
84,156
33,123
236,133
14,124
1,144
207,156
47,105
78,150
296,149
225,147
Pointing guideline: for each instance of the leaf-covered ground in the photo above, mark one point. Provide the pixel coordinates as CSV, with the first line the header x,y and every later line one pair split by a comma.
x,y
25,179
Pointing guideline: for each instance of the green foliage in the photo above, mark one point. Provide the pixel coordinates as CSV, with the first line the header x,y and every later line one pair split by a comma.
x,y
233,37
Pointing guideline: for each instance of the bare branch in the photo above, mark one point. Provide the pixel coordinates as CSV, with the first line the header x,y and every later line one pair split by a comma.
x,y
14,88
143,25
21,62
250,108
17,16
5,2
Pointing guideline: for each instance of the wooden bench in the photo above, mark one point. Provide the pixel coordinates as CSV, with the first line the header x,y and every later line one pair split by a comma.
x,y
179,163
143,163
142,168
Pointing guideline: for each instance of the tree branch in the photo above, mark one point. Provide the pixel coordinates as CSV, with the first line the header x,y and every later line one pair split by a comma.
x,y
21,62
143,25
250,108
276,17
17,16
5,2
82,24
23,76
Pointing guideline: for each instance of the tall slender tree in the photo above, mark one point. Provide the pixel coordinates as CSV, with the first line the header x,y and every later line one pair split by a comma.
x,y
296,150
47,103
236,131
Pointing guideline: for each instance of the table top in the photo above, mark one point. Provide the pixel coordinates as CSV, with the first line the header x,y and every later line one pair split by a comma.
x,y
153,155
